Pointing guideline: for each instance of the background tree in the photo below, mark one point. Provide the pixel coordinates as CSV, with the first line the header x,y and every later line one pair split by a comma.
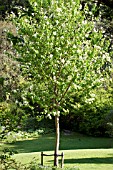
x,y
59,52
9,6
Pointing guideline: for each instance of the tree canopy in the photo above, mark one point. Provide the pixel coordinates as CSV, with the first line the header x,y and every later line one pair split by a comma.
x,y
60,51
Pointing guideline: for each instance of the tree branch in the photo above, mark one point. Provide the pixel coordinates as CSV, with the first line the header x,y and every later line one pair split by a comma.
x,y
66,90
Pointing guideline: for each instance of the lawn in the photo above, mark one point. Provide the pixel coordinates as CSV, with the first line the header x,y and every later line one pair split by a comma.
x,y
85,152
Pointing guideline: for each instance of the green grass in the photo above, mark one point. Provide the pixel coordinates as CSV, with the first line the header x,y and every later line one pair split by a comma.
x,y
84,159
85,152
67,142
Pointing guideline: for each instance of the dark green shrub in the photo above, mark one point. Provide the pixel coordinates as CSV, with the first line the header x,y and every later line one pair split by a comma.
x,y
109,123
29,123
6,162
89,119
10,115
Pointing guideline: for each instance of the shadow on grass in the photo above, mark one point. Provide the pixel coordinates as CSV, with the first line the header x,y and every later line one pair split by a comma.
x,y
72,142
42,143
95,160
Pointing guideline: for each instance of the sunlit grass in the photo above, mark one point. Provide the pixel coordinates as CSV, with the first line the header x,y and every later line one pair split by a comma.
x,y
85,159
85,152
67,142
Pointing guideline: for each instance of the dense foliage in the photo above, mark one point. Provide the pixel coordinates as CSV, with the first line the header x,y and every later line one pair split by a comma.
x,y
18,101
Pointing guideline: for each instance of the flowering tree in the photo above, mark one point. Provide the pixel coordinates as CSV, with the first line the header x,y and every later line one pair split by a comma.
x,y
60,52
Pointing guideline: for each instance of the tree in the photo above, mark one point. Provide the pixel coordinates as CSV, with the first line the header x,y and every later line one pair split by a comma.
x,y
108,3
7,6
59,52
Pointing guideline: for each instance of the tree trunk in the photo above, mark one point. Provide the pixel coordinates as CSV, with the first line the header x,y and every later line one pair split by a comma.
x,y
57,141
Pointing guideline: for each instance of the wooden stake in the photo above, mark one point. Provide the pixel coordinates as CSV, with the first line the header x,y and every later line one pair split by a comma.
x,y
42,158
